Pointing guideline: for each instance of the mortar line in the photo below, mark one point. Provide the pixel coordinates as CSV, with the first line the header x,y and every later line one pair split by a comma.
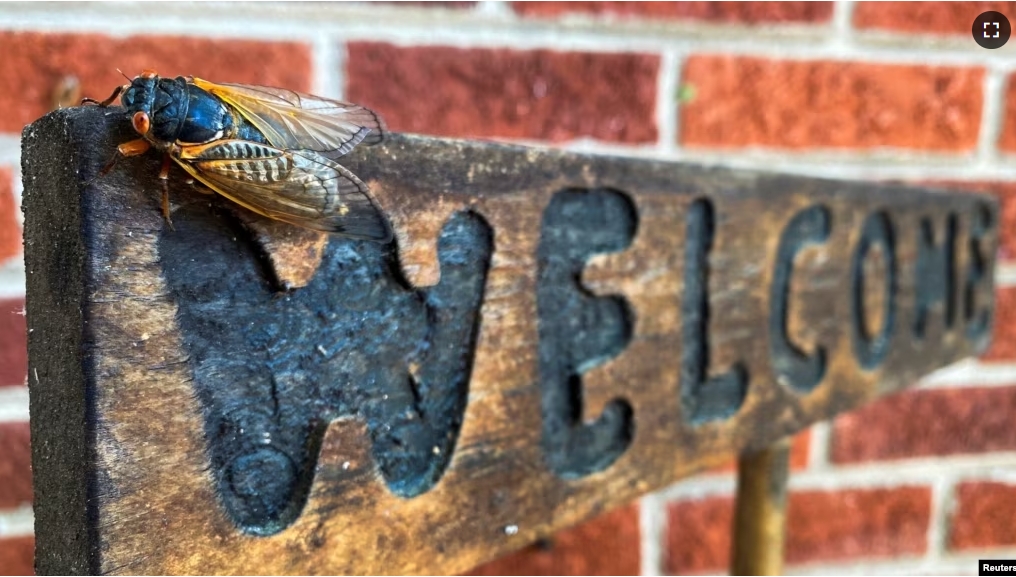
x,y
494,9
339,68
667,104
1005,274
18,191
327,79
818,447
941,489
970,373
842,22
652,529
10,150
13,403
18,522
992,115
459,28
12,278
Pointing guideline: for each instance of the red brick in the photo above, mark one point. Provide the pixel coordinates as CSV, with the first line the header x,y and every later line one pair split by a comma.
x,y
607,545
930,422
15,465
13,348
1007,140
698,536
740,12
10,230
821,526
540,94
983,516
1003,337
35,62
925,17
744,101
17,556
857,523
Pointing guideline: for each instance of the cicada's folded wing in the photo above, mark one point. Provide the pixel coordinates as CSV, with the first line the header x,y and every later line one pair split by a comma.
x,y
300,187
293,120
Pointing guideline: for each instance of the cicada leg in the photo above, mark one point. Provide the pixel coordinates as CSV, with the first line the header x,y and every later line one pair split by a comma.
x,y
132,148
106,102
164,180
125,150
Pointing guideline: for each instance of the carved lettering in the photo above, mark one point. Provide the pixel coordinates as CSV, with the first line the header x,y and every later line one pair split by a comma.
x,y
794,367
579,331
272,370
871,347
703,398
936,274
978,318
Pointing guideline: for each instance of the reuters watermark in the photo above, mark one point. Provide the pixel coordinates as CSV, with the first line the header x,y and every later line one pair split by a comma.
x,y
996,567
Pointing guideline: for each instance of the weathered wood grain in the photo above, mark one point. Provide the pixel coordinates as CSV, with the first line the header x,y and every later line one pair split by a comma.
x,y
550,335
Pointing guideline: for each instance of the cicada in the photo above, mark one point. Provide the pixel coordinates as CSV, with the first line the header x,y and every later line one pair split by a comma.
x,y
270,150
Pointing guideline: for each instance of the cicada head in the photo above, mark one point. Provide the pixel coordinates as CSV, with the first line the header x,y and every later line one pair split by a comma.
x,y
157,106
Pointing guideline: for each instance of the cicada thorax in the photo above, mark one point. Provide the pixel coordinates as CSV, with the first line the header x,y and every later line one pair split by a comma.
x,y
180,112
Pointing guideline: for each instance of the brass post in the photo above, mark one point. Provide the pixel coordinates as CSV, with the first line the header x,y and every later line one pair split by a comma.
x,y
759,519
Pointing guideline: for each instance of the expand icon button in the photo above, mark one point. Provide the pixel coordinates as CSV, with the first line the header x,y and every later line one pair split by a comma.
x,y
991,30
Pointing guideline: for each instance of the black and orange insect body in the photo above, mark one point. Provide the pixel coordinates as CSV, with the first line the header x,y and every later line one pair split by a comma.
x,y
270,150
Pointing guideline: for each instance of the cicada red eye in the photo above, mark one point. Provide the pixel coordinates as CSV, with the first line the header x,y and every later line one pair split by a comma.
x,y
141,123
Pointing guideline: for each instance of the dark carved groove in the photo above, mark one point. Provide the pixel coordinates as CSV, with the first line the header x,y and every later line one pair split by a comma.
x,y
936,273
703,398
800,371
272,369
978,320
578,330
870,348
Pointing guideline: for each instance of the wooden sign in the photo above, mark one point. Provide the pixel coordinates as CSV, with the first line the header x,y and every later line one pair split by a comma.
x,y
549,336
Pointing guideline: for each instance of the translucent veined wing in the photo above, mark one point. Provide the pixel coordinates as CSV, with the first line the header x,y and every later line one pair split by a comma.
x,y
293,120
300,187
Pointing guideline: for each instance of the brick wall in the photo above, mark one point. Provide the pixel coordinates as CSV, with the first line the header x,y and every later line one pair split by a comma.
x,y
921,482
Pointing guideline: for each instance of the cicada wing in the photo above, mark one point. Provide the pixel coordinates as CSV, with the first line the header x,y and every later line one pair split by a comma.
x,y
295,186
294,120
